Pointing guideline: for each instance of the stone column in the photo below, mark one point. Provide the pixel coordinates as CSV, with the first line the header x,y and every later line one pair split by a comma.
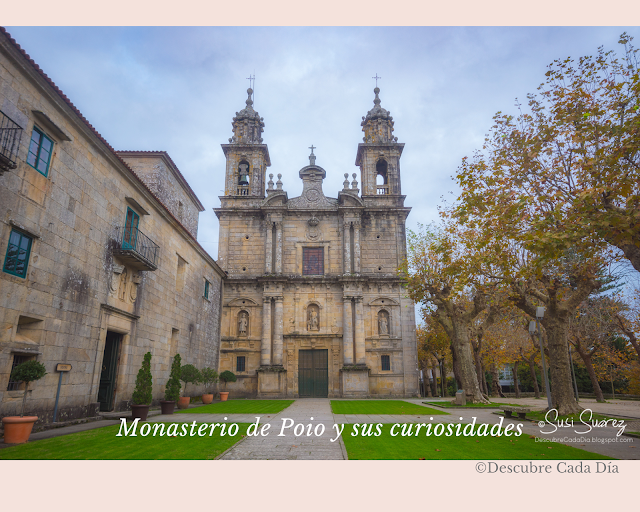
x,y
356,247
277,334
278,264
268,248
347,248
359,328
347,331
265,348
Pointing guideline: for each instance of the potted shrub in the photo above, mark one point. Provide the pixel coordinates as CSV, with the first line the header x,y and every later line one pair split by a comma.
x,y
142,395
188,373
226,376
17,429
209,377
172,391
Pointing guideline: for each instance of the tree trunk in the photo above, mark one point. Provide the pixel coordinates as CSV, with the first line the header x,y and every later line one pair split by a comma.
x,y
485,386
563,397
629,332
532,370
425,380
441,370
24,398
497,389
456,367
478,363
515,379
586,358
631,252
433,383
464,367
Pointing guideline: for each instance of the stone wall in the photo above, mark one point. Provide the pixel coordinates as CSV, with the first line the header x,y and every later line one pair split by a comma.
x,y
77,286
159,174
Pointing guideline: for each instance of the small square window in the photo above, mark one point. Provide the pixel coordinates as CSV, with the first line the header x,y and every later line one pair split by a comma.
x,y
240,364
386,363
17,359
312,261
206,289
40,149
16,260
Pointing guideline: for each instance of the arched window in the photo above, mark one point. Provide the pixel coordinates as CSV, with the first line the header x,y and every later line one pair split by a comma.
x,y
243,178
382,184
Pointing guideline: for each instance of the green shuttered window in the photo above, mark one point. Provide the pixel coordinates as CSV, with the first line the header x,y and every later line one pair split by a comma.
x,y
40,149
17,257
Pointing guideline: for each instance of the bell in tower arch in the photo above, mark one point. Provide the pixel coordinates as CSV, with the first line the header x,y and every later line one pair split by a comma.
x,y
243,175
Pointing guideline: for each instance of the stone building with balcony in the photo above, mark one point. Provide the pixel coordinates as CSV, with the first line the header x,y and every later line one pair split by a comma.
x,y
313,303
100,262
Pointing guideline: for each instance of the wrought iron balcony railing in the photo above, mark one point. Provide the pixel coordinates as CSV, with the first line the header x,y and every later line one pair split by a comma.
x,y
136,248
10,135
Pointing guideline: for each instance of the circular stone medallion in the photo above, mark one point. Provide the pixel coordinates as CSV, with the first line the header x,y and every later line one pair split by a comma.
x,y
313,195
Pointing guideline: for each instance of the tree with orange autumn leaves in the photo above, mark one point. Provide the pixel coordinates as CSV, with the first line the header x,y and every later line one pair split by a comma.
x,y
433,345
554,189
552,192
439,277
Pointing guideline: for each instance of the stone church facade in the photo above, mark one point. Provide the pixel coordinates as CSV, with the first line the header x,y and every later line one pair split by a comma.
x,y
313,304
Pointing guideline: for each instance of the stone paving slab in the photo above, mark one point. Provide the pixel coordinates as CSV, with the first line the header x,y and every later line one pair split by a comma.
x,y
290,446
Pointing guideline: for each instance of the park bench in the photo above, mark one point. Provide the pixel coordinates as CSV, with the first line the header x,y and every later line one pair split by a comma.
x,y
509,410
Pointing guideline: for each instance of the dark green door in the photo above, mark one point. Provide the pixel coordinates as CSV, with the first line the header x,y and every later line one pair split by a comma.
x,y
313,379
109,371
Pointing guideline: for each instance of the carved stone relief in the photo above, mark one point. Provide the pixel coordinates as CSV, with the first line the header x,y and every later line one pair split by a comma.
x,y
115,279
124,284
313,232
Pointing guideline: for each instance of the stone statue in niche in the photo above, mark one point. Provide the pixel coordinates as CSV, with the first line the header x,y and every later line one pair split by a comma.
x,y
243,323
383,323
313,318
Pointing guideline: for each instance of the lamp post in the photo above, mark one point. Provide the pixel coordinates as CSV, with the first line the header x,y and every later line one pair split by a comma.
x,y
532,329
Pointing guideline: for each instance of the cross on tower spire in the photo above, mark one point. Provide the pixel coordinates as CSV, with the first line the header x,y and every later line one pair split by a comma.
x,y
252,80
376,78
312,157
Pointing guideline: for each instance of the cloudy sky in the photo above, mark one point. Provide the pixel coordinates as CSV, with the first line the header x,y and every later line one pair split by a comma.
x,y
177,90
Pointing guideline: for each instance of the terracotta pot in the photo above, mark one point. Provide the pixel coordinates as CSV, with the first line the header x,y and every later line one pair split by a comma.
x,y
167,406
207,399
16,429
183,402
139,411
224,395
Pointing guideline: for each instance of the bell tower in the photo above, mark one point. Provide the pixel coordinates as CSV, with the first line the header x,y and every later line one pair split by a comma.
x,y
247,157
379,156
